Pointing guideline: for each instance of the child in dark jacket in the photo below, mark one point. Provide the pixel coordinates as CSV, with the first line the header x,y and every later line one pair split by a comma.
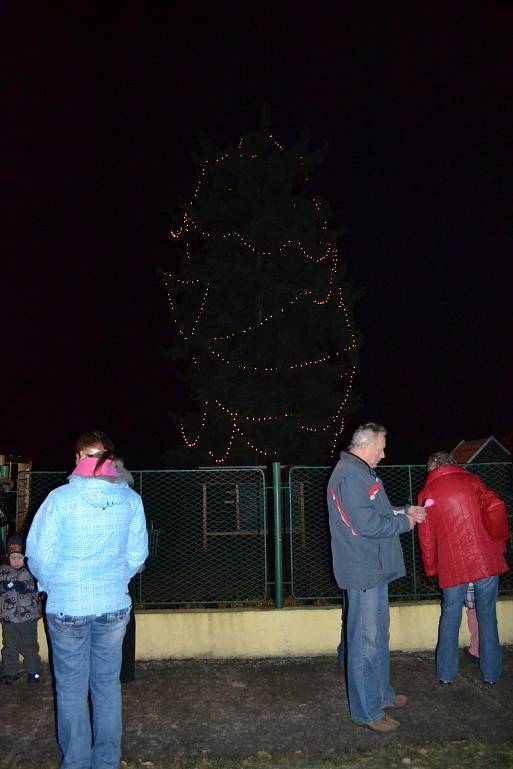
x,y
20,609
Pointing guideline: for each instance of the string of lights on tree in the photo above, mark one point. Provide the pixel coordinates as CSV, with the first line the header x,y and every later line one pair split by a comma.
x,y
214,346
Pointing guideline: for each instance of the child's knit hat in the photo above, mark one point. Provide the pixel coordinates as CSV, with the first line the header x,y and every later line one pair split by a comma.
x,y
15,544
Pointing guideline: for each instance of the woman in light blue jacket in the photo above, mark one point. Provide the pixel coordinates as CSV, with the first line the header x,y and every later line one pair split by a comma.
x,y
87,540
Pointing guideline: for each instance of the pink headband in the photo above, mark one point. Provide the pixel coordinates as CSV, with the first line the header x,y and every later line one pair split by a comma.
x,y
86,467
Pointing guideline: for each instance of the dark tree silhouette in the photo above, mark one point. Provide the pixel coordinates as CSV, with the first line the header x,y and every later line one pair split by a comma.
x,y
261,309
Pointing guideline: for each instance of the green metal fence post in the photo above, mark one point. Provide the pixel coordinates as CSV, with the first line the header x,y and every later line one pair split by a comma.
x,y
278,544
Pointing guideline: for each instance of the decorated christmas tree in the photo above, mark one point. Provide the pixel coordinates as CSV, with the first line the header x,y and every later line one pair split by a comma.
x,y
261,310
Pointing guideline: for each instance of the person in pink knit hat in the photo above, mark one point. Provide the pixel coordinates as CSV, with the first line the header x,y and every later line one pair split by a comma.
x,y
473,626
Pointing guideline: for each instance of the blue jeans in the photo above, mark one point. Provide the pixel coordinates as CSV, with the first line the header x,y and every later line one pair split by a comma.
x,y
447,653
87,657
367,654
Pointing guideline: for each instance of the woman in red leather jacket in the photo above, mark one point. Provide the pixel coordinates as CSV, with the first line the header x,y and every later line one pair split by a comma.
x,y
463,540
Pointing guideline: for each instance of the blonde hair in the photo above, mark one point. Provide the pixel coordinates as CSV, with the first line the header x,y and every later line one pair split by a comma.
x,y
438,459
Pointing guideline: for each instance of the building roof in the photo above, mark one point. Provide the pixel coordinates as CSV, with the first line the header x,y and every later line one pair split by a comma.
x,y
467,451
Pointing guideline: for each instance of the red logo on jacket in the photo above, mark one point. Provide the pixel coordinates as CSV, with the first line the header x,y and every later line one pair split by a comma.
x,y
373,490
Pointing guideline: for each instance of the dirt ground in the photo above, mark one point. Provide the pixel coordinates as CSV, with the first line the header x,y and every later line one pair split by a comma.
x,y
239,707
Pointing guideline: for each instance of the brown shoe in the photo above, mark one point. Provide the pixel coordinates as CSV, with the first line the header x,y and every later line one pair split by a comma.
x,y
400,701
382,725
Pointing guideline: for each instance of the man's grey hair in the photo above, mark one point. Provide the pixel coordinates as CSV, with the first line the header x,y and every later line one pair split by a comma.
x,y
366,434
438,459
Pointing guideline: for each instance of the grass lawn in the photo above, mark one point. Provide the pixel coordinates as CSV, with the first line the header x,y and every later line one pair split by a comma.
x,y
462,754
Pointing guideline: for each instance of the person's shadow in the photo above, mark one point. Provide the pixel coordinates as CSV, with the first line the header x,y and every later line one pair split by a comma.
x,y
127,672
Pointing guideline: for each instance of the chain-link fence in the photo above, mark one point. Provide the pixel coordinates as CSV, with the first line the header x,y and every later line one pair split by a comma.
x,y
207,533
311,575
210,540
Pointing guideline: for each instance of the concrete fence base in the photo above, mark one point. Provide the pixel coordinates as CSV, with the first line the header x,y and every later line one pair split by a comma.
x,y
290,632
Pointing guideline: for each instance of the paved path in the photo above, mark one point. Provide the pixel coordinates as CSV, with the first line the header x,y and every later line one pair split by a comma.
x,y
239,707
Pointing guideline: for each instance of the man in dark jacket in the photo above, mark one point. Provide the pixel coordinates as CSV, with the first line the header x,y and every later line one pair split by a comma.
x,y
367,555
463,541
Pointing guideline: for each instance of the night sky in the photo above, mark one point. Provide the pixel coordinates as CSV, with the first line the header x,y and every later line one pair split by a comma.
x,y
102,109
